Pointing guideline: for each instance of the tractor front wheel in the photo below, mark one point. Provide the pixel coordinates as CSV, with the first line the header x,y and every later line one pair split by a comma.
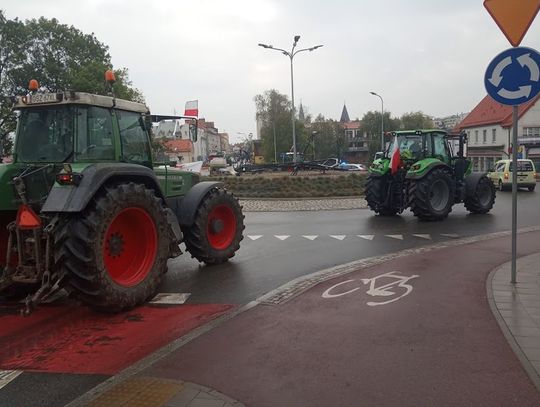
x,y
376,194
217,230
115,254
431,197
482,198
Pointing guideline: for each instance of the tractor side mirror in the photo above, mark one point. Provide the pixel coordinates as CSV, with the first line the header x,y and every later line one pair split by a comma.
x,y
379,155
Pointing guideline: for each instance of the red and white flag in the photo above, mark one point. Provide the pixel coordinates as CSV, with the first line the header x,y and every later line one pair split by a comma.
x,y
395,156
192,108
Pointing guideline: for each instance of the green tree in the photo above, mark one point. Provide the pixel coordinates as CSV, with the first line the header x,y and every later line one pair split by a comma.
x,y
59,56
330,138
416,120
371,124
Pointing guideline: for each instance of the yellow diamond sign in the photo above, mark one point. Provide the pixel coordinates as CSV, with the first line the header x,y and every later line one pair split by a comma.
x,y
513,17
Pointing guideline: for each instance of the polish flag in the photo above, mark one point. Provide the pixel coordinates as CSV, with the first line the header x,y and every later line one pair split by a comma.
x,y
395,156
192,108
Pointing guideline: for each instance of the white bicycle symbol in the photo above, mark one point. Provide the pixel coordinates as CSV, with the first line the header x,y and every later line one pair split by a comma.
x,y
385,290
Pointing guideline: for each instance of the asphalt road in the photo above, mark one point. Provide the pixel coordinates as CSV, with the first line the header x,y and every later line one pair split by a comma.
x,y
278,247
268,261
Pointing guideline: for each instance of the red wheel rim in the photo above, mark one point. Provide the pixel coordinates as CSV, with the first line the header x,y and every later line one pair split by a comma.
x,y
130,246
221,227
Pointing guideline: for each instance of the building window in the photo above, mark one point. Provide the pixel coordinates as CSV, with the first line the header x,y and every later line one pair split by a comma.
x,y
494,136
531,132
484,136
476,136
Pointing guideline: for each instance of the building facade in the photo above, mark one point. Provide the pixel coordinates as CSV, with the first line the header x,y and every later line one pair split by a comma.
x,y
489,132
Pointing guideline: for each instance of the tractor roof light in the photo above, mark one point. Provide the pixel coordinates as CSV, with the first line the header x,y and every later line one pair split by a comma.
x,y
33,85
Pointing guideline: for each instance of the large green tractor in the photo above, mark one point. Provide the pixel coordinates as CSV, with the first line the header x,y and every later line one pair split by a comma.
x,y
419,171
84,206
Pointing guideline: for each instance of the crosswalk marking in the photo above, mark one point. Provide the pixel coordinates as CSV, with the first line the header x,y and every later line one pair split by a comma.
x,y
282,237
422,236
367,237
311,237
7,376
255,237
398,237
338,237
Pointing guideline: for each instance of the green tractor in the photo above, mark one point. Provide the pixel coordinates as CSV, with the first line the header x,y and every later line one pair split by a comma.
x,y
419,171
83,205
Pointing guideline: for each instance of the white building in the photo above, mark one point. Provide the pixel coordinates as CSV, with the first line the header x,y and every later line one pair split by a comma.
x,y
489,130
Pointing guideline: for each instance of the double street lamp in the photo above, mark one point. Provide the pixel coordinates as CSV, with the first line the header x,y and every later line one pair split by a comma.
x,y
291,55
382,119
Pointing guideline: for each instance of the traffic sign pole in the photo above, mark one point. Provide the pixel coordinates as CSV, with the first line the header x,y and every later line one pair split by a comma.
x,y
513,279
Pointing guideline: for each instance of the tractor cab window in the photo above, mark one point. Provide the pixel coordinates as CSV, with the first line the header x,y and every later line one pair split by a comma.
x,y
440,148
94,134
134,139
45,134
411,145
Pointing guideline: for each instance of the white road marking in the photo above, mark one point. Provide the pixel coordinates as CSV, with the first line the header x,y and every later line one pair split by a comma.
x,y
399,237
327,294
170,298
367,237
282,237
384,290
423,236
449,235
7,376
255,237
338,237
311,237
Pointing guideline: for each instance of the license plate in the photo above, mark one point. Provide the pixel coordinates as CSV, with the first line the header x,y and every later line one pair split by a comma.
x,y
42,98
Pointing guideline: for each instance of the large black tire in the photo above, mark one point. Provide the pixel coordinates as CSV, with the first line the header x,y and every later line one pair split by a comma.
x,y
375,192
431,197
115,253
216,233
483,197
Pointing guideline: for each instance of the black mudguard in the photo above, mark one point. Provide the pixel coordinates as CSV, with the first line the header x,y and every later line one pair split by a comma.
x,y
74,199
187,207
471,181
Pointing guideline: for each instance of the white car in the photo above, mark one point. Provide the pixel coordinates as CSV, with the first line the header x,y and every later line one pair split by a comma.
x,y
353,167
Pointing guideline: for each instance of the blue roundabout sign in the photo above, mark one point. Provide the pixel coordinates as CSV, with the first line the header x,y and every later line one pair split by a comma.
x,y
513,77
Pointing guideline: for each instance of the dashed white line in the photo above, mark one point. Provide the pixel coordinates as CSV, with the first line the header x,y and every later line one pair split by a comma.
x,y
367,237
338,237
449,235
422,236
311,237
398,237
255,237
282,237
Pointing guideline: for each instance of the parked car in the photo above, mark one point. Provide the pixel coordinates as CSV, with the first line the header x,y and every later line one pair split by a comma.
x,y
501,174
353,167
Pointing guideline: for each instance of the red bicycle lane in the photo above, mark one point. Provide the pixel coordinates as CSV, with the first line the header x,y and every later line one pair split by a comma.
x,y
439,344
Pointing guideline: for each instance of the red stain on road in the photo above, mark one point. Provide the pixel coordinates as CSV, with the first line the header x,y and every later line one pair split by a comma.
x,y
77,340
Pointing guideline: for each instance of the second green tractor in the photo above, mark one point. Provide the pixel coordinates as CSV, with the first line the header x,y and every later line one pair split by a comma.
x,y
419,171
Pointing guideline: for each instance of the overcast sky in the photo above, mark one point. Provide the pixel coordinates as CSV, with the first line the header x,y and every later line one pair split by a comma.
x,y
423,55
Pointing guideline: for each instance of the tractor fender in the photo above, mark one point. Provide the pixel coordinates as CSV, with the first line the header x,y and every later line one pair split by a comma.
x,y
187,207
74,199
416,176
471,181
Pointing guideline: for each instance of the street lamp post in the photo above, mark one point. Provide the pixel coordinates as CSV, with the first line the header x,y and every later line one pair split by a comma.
x,y
382,119
291,55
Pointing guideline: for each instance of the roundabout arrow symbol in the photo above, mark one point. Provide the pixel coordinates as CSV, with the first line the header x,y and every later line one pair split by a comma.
x,y
496,76
525,60
524,91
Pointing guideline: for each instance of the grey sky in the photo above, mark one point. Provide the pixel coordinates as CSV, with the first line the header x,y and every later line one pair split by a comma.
x,y
423,55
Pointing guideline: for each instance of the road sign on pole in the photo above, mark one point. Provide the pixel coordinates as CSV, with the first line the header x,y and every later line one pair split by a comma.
x,y
513,76
513,17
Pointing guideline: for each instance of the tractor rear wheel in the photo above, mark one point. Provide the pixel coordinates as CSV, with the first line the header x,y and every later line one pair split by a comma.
x,y
431,197
376,191
217,230
483,197
115,254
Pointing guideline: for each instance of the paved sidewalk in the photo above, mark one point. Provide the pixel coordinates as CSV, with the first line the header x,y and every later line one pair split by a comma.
x,y
415,328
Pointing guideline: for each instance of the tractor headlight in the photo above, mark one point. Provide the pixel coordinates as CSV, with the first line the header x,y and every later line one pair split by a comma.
x,y
415,167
